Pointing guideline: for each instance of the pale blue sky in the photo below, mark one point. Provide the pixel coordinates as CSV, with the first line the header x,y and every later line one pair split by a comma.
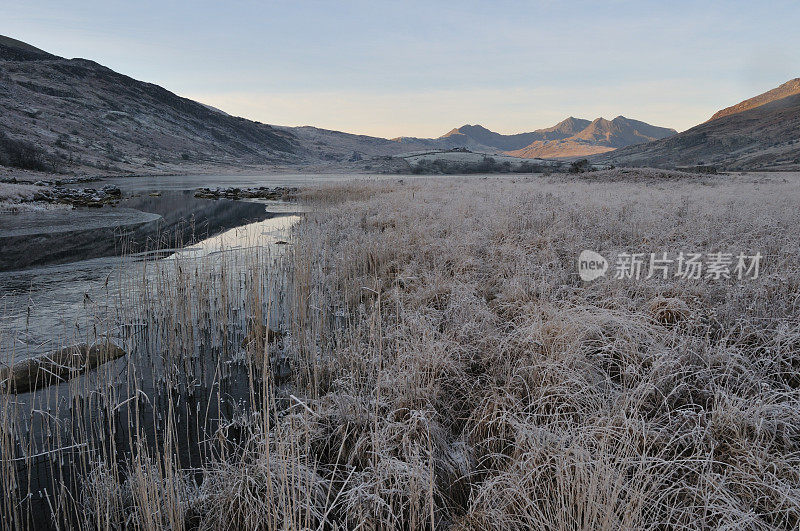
x,y
421,68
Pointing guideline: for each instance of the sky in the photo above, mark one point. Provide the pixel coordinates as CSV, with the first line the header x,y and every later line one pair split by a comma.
x,y
421,68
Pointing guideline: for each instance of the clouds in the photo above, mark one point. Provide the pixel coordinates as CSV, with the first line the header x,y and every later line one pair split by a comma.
x,y
348,63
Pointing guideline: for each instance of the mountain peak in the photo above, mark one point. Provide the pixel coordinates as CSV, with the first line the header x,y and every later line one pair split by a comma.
x,y
564,129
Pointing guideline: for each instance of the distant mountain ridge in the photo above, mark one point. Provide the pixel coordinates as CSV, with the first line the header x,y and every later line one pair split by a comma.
x,y
570,138
599,136
762,132
481,135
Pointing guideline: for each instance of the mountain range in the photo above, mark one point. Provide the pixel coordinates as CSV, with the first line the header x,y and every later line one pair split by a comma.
x,y
75,115
570,138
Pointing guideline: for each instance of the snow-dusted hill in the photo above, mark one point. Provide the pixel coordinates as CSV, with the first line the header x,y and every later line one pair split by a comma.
x,y
76,115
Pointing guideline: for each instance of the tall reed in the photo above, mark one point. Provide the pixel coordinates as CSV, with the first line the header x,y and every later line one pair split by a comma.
x,y
443,366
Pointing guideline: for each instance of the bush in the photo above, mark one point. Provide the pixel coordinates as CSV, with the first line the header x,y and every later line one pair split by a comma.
x,y
20,154
580,166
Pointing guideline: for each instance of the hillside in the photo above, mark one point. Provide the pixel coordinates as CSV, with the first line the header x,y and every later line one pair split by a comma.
x,y
790,88
560,149
337,146
599,136
759,136
76,115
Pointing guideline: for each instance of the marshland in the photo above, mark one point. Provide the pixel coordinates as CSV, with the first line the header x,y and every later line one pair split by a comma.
x,y
422,353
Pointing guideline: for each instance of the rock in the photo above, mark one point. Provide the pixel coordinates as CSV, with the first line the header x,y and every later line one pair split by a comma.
x,y
78,197
56,367
668,310
112,190
261,192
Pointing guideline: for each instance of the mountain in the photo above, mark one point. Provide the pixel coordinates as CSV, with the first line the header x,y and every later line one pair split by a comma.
x,y
564,129
572,137
621,132
450,140
76,115
759,133
326,145
599,136
481,136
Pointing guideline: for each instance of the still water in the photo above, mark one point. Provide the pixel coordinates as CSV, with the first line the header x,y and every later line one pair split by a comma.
x,y
71,269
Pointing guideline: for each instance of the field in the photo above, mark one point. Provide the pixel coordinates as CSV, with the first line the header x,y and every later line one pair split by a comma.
x,y
442,365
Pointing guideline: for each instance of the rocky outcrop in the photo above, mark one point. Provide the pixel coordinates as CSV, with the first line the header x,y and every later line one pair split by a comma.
x,y
89,197
261,192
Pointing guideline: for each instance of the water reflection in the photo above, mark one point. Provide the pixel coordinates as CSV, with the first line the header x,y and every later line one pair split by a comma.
x,y
138,224
44,308
272,231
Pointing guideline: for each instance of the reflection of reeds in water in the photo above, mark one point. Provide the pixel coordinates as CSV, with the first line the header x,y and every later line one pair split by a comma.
x,y
135,432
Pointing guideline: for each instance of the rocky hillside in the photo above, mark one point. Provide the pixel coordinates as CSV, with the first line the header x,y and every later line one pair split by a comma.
x,y
759,133
76,115
790,88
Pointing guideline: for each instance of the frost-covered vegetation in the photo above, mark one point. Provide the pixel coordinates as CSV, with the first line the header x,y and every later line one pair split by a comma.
x,y
465,162
444,367
15,197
